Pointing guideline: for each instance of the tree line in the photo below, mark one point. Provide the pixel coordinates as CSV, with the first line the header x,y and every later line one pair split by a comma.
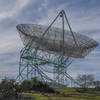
x,y
87,81
9,87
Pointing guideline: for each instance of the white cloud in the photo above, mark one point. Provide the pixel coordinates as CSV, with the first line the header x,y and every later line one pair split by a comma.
x,y
13,10
10,43
84,21
96,36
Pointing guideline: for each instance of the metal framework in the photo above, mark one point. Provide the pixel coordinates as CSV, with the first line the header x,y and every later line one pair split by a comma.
x,y
41,64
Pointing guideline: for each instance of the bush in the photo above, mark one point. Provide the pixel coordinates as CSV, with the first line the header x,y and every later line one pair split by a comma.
x,y
41,86
82,90
97,88
7,87
26,85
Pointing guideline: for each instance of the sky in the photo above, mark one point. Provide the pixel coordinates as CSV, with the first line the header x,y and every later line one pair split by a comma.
x,y
84,17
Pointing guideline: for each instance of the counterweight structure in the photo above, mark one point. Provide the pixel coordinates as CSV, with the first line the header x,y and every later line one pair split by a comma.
x,y
49,51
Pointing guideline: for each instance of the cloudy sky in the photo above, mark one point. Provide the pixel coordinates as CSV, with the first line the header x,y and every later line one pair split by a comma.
x,y
84,16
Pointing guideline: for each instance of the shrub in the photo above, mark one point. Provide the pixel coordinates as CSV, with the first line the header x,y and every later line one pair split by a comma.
x,y
26,85
41,86
82,90
7,87
97,88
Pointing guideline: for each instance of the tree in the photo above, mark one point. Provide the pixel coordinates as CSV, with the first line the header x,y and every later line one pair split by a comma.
x,y
7,87
27,85
85,80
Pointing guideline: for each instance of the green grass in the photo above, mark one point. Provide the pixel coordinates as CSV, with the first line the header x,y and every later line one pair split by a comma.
x,y
66,94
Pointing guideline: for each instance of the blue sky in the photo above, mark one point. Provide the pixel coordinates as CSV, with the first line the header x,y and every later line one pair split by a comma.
x,y
84,16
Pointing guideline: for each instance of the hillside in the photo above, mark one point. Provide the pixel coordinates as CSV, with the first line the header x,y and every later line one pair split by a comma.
x,y
65,94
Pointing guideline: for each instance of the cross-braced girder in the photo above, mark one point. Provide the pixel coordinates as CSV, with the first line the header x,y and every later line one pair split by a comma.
x,y
35,62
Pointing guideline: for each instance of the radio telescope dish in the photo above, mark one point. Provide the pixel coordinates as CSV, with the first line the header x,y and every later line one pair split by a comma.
x,y
54,44
49,50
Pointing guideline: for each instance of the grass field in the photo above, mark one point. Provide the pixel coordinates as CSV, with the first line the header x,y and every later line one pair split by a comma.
x,y
65,94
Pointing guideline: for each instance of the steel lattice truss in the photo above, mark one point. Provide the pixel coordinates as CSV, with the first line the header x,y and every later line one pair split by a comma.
x,y
32,62
51,47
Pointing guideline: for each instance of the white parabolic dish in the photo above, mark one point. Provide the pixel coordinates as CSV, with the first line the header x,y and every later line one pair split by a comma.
x,y
52,42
